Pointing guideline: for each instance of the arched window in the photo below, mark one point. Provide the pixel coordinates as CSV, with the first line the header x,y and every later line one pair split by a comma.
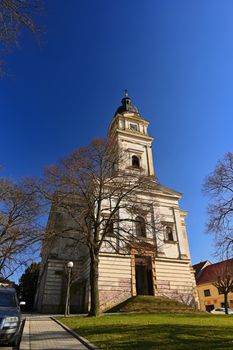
x,y
135,162
140,227
169,233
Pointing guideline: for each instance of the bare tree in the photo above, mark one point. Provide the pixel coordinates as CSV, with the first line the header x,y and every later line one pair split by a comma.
x,y
223,276
219,187
19,230
101,203
15,15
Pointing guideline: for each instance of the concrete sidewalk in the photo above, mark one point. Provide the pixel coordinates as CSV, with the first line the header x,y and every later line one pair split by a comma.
x,y
42,333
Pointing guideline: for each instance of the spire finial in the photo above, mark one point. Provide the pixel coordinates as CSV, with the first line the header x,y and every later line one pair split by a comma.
x,y
126,93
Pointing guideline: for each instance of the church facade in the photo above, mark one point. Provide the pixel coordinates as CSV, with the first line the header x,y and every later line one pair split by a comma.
x,y
166,270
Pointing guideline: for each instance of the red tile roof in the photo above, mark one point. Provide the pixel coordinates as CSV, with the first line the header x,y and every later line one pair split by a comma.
x,y
197,267
210,272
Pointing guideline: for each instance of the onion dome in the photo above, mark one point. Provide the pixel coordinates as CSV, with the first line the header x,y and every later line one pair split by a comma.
x,y
126,105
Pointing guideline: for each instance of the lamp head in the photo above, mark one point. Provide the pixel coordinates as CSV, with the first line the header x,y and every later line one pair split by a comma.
x,y
70,264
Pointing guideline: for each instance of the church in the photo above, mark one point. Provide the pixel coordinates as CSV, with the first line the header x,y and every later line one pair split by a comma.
x,y
165,270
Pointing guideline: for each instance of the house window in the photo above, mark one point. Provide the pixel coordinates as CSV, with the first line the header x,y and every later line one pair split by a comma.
x,y
169,233
135,162
207,293
140,227
133,127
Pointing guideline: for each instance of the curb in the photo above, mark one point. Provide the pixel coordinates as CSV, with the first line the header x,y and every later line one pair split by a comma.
x,y
81,339
25,338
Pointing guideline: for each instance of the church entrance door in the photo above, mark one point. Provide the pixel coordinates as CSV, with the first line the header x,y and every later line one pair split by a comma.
x,y
144,280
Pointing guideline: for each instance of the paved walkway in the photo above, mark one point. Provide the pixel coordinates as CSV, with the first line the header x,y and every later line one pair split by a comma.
x,y
44,333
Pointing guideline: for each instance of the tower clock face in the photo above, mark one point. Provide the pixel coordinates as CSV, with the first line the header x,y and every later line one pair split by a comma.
x,y
133,126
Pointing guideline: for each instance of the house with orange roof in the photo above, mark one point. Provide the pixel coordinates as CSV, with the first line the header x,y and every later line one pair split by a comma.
x,y
206,273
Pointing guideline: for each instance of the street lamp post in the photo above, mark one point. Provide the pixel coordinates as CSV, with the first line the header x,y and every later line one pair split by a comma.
x,y
70,265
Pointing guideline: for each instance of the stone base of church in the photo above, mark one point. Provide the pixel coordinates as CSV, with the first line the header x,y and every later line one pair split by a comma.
x,y
114,279
120,277
173,278
108,299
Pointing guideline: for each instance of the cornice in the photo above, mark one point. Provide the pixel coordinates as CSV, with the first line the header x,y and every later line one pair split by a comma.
x,y
135,134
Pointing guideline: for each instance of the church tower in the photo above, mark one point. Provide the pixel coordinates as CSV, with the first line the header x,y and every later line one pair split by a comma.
x,y
128,133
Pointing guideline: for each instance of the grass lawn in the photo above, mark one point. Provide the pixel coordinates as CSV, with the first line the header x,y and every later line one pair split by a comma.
x,y
155,331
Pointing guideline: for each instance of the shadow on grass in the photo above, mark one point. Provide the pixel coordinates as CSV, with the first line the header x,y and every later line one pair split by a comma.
x,y
159,337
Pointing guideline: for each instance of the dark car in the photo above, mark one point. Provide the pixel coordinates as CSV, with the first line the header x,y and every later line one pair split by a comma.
x,y
10,317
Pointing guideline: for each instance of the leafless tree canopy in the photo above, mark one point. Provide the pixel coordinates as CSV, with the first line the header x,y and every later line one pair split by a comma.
x,y
18,227
14,16
219,187
85,186
92,193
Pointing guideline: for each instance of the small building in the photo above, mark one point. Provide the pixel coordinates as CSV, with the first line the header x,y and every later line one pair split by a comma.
x,y
166,270
206,275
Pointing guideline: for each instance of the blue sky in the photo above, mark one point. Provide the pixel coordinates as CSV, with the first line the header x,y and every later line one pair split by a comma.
x,y
174,57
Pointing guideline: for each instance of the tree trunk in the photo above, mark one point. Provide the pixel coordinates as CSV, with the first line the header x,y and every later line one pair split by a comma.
x,y
94,275
225,303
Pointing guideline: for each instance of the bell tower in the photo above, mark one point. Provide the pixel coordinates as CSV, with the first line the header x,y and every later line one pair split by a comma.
x,y
128,133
